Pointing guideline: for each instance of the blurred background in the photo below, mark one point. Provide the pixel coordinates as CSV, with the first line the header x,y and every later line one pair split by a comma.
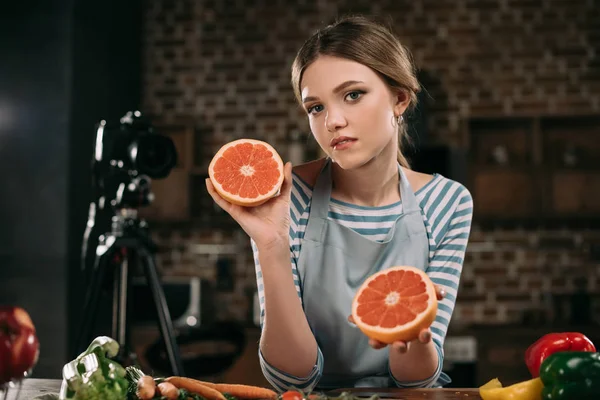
x,y
511,110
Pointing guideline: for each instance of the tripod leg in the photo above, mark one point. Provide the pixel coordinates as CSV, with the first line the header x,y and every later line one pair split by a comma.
x,y
164,316
121,305
121,289
92,299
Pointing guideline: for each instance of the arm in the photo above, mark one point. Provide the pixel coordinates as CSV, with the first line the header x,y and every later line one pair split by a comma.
x,y
287,342
289,355
421,365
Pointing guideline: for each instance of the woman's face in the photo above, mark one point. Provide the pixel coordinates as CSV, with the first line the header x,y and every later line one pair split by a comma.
x,y
351,111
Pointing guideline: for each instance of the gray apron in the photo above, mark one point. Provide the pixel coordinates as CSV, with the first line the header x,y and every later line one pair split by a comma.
x,y
334,261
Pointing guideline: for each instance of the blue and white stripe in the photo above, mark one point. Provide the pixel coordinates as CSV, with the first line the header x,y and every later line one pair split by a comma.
x,y
447,209
283,381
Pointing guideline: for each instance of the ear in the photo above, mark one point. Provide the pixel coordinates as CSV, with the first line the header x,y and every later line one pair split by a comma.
x,y
401,101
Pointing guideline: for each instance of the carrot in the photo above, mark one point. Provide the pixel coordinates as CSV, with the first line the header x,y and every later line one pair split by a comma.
x,y
168,390
245,391
242,391
146,387
195,386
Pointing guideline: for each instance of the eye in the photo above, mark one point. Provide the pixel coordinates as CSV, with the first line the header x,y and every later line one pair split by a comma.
x,y
354,95
314,109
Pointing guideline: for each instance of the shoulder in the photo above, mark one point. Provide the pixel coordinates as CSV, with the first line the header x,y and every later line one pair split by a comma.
x,y
447,206
441,196
308,172
417,180
303,181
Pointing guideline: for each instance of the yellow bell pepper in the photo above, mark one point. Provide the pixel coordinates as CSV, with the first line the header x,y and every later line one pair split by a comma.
x,y
527,390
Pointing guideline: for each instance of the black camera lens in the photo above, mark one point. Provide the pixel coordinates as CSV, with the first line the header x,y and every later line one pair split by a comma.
x,y
154,155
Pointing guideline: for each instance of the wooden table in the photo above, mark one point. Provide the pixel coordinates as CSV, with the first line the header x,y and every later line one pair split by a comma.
x,y
32,388
37,387
414,394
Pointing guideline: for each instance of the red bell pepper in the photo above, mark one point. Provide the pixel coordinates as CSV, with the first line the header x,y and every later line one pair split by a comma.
x,y
554,343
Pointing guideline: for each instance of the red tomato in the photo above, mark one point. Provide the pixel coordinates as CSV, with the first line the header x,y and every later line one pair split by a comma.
x,y
292,395
19,345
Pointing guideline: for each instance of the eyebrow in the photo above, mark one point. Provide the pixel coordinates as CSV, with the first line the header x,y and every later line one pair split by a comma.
x,y
337,89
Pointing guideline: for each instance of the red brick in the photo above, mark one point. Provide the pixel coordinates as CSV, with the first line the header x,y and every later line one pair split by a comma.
x,y
490,313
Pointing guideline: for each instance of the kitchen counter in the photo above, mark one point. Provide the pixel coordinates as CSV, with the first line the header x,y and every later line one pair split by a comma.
x,y
38,387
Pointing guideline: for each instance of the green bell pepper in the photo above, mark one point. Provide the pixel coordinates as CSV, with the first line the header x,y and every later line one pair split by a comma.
x,y
93,375
571,375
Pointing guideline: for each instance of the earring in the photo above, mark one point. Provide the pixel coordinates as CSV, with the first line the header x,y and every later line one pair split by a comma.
x,y
400,119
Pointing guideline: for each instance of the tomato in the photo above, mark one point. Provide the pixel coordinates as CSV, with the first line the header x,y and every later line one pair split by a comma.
x,y
292,395
19,345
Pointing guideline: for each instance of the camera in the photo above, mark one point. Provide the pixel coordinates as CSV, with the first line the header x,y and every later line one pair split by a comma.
x,y
133,146
127,155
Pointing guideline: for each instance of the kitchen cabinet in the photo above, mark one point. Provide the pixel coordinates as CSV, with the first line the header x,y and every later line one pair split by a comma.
x,y
534,167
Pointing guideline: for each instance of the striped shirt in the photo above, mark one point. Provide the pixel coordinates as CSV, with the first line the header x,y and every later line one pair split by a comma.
x,y
447,209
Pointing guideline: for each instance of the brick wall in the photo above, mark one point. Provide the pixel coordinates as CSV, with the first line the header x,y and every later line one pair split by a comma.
x,y
226,66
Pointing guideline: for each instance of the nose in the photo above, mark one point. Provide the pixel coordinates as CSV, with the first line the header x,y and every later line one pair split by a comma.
x,y
334,120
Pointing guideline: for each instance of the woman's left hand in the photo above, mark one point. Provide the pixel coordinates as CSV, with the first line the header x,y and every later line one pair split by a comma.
x,y
401,346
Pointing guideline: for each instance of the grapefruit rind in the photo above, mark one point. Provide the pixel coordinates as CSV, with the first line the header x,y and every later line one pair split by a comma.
x,y
236,199
406,332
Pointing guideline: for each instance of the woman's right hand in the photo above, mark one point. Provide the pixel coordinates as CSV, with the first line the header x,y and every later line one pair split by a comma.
x,y
267,224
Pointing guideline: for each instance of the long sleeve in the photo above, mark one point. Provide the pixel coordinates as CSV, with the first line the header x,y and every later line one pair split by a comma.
x,y
281,380
449,221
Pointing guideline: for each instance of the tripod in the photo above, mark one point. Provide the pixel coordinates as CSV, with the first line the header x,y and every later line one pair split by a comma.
x,y
118,252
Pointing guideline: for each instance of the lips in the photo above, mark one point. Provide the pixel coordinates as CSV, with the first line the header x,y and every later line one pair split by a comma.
x,y
340,140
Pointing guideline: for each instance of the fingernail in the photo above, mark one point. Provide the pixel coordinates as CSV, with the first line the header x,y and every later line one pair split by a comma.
x,y
442,292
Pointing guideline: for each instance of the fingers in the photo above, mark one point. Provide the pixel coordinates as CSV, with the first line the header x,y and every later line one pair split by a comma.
x,y
376,344
224,204
400,347
440,292
403,347
425,336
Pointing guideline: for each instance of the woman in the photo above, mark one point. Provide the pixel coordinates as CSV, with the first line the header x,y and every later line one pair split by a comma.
x,y
339,214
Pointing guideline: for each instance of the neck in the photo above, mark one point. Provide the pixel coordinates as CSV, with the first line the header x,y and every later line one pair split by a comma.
x,y
375,184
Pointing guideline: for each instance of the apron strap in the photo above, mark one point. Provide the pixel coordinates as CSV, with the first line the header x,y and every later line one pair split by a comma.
x,y
409,200
321,196
319,205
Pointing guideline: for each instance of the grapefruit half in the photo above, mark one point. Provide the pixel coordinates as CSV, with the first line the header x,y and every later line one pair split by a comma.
x,y
395,304
246,172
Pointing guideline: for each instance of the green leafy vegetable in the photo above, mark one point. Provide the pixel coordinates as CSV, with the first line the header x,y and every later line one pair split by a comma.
x,y
93,375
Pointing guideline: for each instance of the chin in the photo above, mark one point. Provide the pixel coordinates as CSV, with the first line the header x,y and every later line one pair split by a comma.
x,y
350,161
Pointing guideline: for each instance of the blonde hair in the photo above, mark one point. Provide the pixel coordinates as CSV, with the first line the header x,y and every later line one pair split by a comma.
x,y
370,43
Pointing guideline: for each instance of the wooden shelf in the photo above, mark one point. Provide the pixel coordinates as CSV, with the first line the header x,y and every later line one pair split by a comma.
x,y
534,167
